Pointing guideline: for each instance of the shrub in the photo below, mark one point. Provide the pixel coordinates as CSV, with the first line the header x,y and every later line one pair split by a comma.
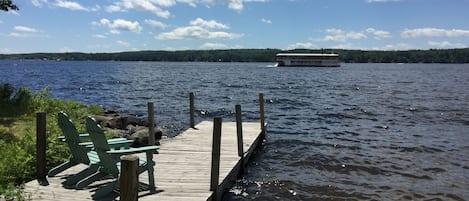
x,y
14,102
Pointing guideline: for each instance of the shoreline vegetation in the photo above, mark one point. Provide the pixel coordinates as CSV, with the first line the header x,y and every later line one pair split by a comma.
x,y
18,135
256,55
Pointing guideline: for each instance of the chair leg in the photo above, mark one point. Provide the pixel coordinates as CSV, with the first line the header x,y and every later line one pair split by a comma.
x,y
150,169
72,180
105,190
60,168
90,179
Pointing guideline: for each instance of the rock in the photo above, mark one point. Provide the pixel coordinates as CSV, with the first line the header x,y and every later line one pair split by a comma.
x,y
118,120
117,133
140,137
128,126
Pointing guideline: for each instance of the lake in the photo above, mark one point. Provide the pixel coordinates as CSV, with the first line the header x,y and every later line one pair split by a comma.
x,y
357,132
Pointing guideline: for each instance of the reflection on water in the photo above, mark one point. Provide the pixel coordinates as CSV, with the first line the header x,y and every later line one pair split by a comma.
x,y
358,132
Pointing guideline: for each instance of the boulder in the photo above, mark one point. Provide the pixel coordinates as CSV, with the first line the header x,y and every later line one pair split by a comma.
x,y
118,120
141,137
128,126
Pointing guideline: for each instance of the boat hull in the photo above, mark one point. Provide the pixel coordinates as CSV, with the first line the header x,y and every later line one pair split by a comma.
x,y
307,60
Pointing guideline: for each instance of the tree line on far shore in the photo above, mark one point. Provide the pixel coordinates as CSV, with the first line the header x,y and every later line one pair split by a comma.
x,y
258,55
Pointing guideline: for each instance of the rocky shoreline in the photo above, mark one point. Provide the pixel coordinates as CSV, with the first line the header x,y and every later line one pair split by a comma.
x,y
128,126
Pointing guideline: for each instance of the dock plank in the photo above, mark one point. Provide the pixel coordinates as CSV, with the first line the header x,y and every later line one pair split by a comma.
x,y
182,170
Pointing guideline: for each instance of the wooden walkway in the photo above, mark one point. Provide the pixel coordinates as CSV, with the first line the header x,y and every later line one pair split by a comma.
x,y
182,170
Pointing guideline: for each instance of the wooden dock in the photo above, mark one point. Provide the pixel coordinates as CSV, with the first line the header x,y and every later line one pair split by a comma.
x,y
182,170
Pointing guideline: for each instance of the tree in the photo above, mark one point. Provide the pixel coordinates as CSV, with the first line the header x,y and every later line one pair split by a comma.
x,y
6,5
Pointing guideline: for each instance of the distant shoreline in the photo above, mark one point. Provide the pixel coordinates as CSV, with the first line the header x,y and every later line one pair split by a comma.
x,y
255,55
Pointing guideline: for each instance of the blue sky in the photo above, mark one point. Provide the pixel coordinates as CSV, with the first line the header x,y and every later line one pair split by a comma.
x,y
130,25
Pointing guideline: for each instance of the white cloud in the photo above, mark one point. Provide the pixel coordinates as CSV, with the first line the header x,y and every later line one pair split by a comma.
x,y
195,32
5,51
70,5
39,3
378,34
237,47
24,32
123,43
169,48
237,5
199,29
119,25
1,22
434,32
398,46
25,29
212,24
446,44
214,46
159,7
155,24
301,46
95,8
339,35
190,2
99,36
266,21
113,8
19,35
66,49
152,6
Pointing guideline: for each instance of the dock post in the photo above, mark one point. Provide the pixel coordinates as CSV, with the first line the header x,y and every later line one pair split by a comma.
x,y
191,108
215,171
239,132
151,124
41,148
129,178
261,110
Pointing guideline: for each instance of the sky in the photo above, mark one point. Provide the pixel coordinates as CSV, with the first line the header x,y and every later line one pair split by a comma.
x,y
93,26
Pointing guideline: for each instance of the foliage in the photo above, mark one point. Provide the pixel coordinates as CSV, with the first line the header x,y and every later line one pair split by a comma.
x,y
11,192
407,56
14,103
260,55
6,5
17,164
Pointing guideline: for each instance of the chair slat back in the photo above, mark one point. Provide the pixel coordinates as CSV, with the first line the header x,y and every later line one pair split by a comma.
x,y
72,138
101,146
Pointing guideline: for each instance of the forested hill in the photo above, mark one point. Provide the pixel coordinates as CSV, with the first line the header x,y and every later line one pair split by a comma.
x,y
260,55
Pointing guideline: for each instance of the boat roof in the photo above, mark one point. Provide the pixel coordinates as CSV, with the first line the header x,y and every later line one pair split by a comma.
x,y
308,54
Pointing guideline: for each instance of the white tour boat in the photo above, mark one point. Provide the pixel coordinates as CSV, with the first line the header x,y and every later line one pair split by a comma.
x,y
307,59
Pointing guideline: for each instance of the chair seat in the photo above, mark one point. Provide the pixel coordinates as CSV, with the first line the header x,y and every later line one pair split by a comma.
x,y
93,156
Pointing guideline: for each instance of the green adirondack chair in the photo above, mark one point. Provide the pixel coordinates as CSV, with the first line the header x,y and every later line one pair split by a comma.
x,y
110,164
80,150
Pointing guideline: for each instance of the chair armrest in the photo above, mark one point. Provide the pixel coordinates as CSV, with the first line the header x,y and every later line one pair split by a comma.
x,y
113,140
133,150
84,136
114,143
117,143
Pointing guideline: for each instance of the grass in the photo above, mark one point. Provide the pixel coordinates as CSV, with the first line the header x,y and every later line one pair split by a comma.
x,y
18,135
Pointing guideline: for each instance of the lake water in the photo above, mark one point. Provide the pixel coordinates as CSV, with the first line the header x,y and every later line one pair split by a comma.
x,y
358,132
